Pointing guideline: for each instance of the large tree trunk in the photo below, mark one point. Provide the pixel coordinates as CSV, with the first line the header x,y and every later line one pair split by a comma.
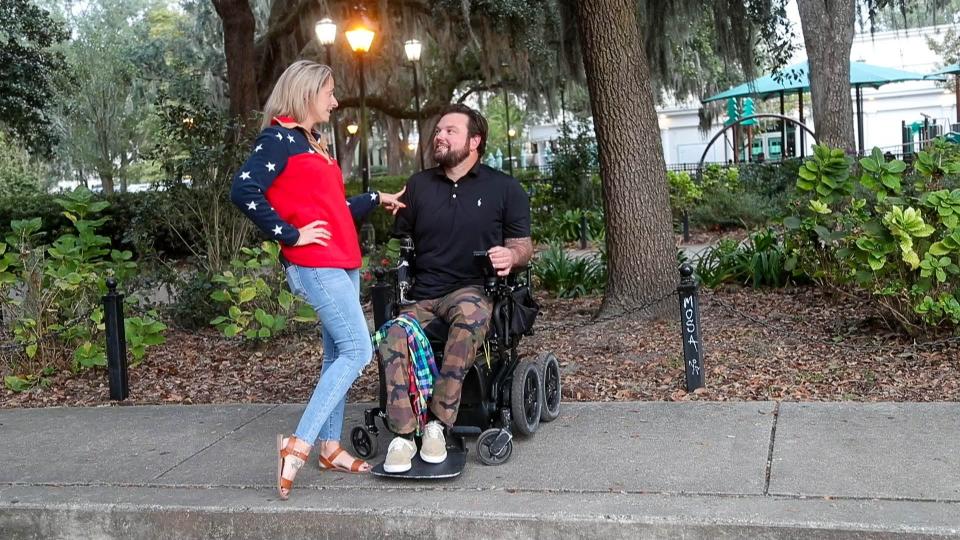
x,y
238,30
395,146
640,245
828,27
106,181
348,157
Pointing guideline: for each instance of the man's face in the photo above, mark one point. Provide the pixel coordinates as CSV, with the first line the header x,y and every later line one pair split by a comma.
x,y
451,143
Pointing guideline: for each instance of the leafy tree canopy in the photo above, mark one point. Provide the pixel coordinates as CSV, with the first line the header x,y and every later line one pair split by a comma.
x,y
28,68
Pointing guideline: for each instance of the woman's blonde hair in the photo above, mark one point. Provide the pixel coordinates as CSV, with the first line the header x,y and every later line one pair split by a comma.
x,y
296,91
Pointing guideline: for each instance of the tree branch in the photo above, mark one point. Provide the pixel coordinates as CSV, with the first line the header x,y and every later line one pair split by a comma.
x,y
389,107
479,88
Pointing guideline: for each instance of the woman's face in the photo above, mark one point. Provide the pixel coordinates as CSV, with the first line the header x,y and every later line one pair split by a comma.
x,y
324,103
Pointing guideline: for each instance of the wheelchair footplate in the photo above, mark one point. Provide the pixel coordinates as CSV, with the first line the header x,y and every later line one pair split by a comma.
x,y
421,470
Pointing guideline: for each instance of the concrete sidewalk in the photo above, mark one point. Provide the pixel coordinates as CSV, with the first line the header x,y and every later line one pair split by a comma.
x,y
610,470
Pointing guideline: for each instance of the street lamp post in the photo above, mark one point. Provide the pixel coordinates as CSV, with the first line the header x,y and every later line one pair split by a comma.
x,y
506,107
413,48
511,133
360,36
326,31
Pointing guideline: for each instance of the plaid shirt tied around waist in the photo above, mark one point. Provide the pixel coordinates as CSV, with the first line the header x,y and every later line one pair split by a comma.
x,y
423,365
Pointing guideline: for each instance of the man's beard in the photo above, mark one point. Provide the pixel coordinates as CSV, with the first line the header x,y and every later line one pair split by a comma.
x,y
452,157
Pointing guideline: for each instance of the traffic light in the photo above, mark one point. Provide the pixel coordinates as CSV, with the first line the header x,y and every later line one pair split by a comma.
x,y
748,111
733,112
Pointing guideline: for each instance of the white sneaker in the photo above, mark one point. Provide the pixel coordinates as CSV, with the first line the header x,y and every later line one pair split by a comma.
x,y
399,455
433,448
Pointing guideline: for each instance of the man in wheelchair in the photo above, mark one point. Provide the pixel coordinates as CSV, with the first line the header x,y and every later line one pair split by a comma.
x,y
452,211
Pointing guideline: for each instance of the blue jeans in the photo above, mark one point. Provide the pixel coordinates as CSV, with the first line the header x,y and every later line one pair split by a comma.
x,y
334,294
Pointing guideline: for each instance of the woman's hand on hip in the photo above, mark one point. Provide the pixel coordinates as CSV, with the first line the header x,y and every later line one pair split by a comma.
x,y
391,201
313,233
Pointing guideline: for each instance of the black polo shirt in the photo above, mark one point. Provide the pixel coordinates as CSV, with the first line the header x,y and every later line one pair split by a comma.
x,y
450,220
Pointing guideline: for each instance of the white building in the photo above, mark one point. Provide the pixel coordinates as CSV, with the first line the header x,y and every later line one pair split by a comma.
x,y
885,110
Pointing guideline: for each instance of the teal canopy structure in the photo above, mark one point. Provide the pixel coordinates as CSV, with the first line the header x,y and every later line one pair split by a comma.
x,y
952,69
795,78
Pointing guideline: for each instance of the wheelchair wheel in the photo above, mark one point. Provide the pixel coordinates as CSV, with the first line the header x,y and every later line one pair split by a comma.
x,y
364,443
491,448
526,397
550,373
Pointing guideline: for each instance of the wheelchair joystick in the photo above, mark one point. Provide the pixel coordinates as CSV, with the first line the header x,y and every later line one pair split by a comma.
x,y
490,279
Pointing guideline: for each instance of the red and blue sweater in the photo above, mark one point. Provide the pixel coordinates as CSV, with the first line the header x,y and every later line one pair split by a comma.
x,y
286,184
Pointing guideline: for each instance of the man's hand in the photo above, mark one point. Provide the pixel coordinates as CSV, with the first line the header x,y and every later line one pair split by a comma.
x,y
502,259
313,233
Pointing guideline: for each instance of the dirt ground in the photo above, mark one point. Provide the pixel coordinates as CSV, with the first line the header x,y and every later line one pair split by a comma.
x,y
788,344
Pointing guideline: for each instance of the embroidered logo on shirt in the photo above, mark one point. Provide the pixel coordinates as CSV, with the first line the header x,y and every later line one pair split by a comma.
x,y
478,202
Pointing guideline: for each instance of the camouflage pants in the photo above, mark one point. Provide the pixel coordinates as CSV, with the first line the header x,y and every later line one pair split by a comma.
x,y
467,311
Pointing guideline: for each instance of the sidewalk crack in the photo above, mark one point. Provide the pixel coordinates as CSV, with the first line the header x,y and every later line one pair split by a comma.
x,y
222,437
773,437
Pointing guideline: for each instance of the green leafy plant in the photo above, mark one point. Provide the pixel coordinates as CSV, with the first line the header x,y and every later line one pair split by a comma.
x,y
565,226
567,276
827,174
142,332
758,261
57,316
684,192
886,231
253,293
880,176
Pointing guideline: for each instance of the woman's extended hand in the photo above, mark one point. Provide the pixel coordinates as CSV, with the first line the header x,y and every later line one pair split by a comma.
x,y
313,233
391,201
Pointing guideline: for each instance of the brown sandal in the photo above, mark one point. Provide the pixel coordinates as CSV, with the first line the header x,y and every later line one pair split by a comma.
x,y
328,464
283,452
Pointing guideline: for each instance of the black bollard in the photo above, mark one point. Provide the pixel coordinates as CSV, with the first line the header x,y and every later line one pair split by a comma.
x,y
686,226
116,342
690,328
584,231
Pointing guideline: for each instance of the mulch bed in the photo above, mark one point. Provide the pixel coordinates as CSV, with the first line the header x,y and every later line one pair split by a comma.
x,y
789,344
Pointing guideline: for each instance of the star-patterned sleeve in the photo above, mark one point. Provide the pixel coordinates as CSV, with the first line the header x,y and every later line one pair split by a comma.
x,y
362,204
251,182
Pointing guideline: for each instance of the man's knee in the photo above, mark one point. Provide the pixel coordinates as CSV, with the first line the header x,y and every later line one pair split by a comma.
x,y
394,344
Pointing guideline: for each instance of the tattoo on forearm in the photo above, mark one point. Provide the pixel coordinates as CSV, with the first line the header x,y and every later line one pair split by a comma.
x,y
522,249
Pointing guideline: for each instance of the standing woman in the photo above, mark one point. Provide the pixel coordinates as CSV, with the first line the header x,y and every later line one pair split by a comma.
x,y
293,191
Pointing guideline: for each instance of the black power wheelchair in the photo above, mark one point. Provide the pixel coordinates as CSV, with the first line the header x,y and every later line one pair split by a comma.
x,y
502,393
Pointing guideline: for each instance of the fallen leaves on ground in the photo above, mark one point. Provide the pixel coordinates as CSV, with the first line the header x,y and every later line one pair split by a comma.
x,y
787,344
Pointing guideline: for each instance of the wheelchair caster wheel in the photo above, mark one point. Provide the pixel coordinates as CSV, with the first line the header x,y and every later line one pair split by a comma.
x,y
550,373
526,397
494,446
364,442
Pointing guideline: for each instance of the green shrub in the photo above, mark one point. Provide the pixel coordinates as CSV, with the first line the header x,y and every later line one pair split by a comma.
x,y
253,296
684,192
565,227
567,276
748,195
199,159
192,308
19,174
875,230
758,261
723,208
57,314
137,222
